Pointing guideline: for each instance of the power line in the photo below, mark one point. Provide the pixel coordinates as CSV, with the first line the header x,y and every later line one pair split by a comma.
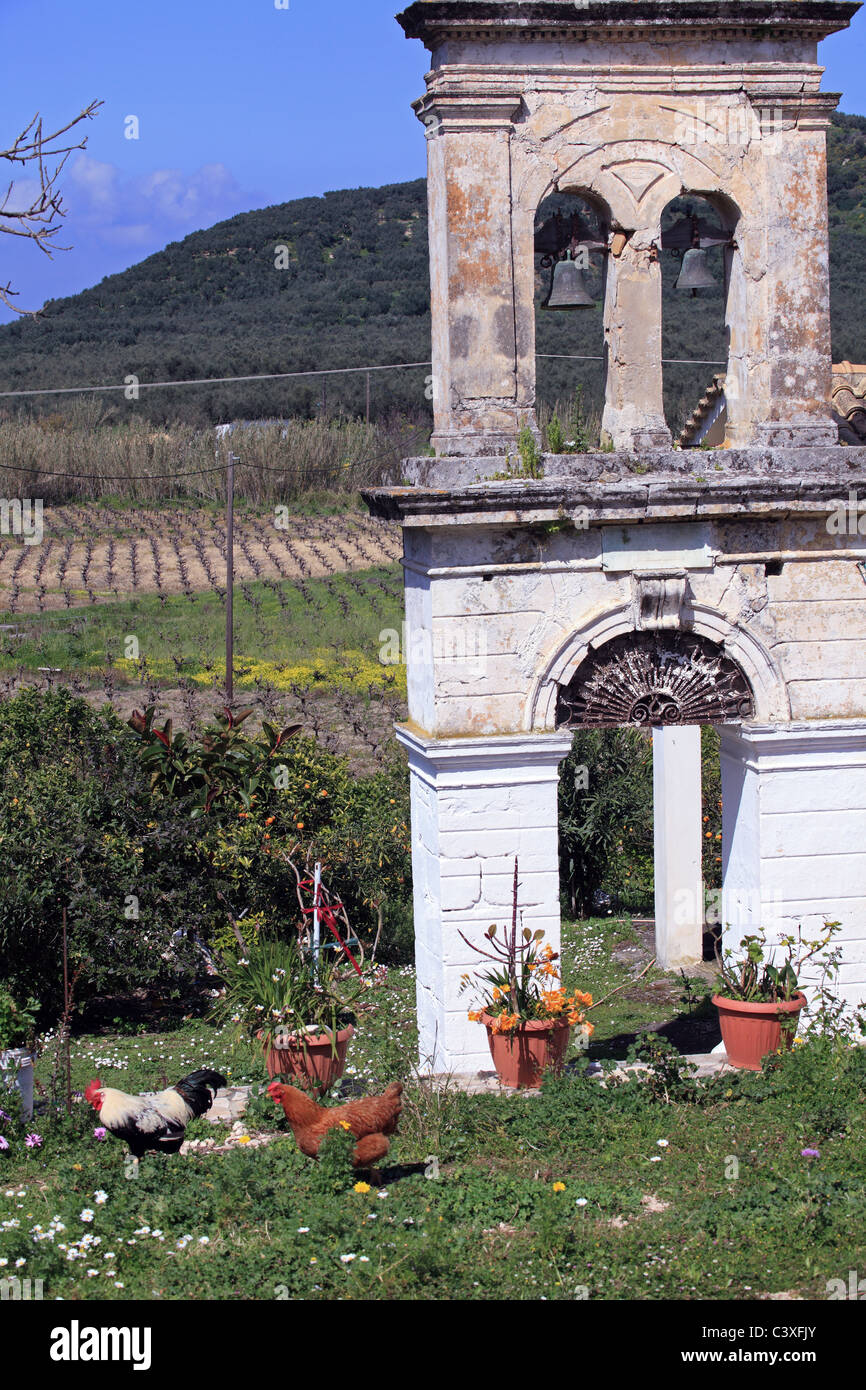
x,y
666,361
289,376
211,380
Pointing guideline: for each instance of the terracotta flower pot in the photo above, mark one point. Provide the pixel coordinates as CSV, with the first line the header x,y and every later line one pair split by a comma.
x,y
522,1056
750,1031
316,1060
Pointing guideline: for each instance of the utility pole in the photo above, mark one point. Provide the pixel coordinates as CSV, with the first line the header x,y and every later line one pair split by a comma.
x,y
368,398
67,1017
230,579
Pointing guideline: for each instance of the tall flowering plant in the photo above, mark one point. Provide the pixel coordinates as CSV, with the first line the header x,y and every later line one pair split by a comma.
x,y
524,983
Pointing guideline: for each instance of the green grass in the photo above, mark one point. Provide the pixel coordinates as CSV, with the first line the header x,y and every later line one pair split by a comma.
x,y
286,625
708,1197
586,954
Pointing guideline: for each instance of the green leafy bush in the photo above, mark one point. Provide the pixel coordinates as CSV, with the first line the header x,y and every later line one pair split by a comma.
x,y
94,820
605,816
79,829
17,1021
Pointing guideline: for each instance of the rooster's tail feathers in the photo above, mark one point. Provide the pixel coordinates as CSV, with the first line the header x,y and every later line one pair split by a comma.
x,y
196,1089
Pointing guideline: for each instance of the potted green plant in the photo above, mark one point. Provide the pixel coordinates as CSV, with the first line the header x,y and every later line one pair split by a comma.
x,y
759,1001
527,1013
298,1008
18,1047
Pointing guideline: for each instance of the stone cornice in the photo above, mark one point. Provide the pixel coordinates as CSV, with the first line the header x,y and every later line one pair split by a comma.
x,y
437,21
767,81
513,502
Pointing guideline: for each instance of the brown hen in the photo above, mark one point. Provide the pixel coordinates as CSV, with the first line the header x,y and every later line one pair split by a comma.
x,y
370,1120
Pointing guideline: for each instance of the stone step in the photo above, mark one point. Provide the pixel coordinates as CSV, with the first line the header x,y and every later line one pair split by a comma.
x,y
487,1082
229,1104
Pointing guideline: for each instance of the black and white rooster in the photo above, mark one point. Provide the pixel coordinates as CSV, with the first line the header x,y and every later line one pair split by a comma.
x,y
154,1122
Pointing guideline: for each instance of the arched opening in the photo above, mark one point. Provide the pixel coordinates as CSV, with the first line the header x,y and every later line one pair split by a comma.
x,y
571,232
699,316
640,810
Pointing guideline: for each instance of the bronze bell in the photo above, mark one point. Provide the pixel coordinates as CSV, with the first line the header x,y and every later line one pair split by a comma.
x,y
696,274
568,288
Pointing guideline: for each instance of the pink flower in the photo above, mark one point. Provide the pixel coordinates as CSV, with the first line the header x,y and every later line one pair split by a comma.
x,y
4,1143
810,1153
100,1133
33,1141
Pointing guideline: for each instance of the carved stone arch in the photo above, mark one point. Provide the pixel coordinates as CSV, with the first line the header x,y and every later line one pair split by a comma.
x,y
635,178
732,642
561,155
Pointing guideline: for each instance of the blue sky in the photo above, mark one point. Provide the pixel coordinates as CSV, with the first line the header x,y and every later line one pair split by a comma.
x,y
240,104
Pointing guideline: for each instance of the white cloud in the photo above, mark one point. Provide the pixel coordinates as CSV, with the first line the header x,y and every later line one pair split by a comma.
x,y
113,220
150,208
21,195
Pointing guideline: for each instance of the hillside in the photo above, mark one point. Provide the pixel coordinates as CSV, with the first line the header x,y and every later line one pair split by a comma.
x,y
354,291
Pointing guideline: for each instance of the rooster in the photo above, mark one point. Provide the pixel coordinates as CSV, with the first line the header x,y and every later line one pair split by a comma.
x,y
154,1122
371,1120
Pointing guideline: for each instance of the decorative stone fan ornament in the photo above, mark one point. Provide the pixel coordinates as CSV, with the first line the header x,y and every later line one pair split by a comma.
x,y
655,678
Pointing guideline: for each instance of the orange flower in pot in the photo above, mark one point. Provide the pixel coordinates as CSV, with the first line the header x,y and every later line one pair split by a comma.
x,y
527,1013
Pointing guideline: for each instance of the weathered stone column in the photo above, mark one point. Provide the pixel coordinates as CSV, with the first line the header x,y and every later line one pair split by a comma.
x,y
634,416
475,403
679,889
791,309
477,804
794,835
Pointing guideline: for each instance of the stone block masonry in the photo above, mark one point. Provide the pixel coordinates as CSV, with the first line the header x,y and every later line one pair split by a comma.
x,y
749,565
794,799
477,804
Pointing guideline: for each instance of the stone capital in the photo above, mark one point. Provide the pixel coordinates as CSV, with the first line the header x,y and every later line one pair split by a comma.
x,y
803,110
442,111
510,758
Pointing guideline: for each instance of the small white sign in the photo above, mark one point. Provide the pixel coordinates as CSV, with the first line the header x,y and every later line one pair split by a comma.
x,y
656,546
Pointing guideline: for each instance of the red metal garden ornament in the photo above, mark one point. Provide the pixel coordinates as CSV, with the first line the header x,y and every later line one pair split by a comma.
x,y
328,915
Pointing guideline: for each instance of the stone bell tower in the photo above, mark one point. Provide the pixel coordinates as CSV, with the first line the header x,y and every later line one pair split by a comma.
x,y
630,104
638,584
